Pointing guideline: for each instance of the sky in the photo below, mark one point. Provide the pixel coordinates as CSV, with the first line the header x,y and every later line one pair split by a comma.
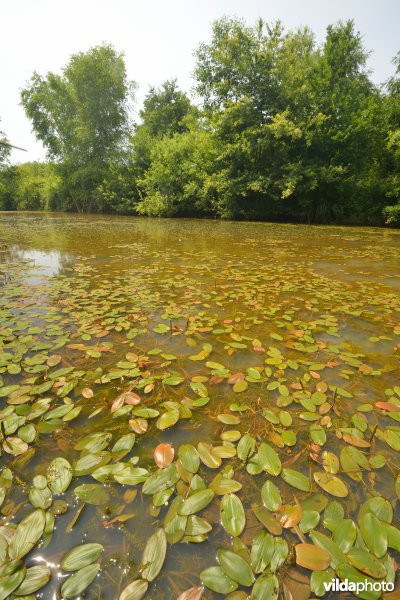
x,y
158,38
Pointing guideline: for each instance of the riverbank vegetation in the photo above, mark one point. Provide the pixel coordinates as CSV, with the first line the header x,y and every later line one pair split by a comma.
x,y
282,128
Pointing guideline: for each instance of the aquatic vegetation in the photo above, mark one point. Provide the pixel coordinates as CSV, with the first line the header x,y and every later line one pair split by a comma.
x,y
220,412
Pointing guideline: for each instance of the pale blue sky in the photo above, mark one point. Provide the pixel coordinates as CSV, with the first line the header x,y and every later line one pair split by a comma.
x,y
158,38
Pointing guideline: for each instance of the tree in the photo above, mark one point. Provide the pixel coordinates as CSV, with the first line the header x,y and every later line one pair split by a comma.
x,y
166,111
178,182
82,118
4,150
299,125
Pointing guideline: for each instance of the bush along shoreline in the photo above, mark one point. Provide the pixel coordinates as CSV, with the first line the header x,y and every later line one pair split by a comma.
x,y
278,128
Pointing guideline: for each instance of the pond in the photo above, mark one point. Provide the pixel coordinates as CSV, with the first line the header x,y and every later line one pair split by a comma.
x,y
191,403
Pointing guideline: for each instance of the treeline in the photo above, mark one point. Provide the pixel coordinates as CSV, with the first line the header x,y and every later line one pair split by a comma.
x,y
283,129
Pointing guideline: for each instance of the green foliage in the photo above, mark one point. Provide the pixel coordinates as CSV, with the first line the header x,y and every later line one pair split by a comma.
x,y
166,111
81,117
392,215
298,124
288,129
177,180
29,186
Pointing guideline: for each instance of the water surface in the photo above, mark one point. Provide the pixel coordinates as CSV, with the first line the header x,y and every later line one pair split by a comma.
x,y
303,305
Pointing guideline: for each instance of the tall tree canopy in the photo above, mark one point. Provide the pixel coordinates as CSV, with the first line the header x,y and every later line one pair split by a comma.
x,y
285,128
82,117
166,111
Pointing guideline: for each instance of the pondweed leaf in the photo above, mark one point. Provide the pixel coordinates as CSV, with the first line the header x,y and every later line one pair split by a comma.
x,y
79,581
232,514
81,556
135,590
154,555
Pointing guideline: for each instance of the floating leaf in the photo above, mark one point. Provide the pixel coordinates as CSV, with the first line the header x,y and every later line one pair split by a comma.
x,y
309,520
232,514
246,447
216,580
269,460
36,577
28,533
91,493
189,458
349,573
168,419
262,550
366,563
267,519
235,567
10,581
161,480
331,484
208,456
135,590
266,586
163,455
59,475
196,502
79,581
312,557
81,556
290,515
271,496
154,555
240,386
322,541
374,535
296,479
345,534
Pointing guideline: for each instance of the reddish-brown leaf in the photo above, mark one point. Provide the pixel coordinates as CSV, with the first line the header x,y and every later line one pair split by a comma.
x,y
290,515
388,406
235,378
131,398
138,425
311,557
163,455
355,441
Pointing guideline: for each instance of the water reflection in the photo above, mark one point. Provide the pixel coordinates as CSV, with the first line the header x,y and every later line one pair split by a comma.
x,y
45,263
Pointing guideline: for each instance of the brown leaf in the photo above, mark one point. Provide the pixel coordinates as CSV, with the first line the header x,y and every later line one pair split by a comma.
x,y
163,455
138,425
215,380
118,520
131,398
296,585
311,557
290,515
315,375
125,398
388,406
235,378
321,386
193,593
102,333
355,441
87,393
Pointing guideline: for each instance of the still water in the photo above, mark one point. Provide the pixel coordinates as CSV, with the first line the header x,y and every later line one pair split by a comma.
x,y
288,334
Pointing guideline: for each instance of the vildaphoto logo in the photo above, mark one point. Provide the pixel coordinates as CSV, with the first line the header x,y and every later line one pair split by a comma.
x,y
336,585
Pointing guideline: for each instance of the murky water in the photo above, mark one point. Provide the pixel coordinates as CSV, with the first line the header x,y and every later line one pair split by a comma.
x,y
300,305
